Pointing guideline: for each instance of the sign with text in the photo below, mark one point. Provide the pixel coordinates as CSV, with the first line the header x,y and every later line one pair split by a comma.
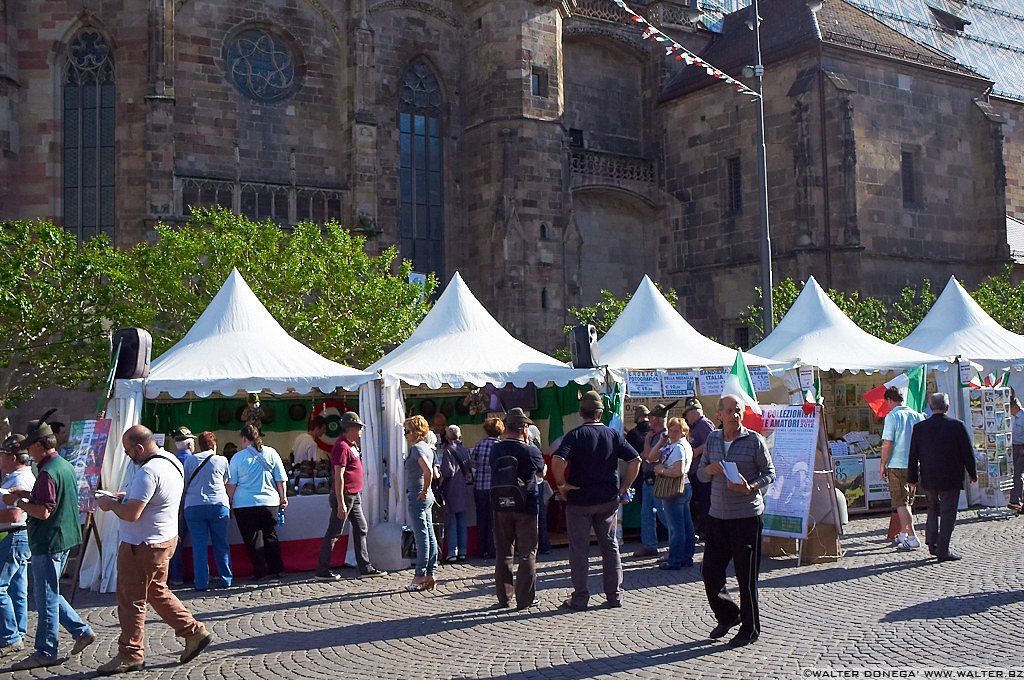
x,y
679,383
759,375
792,436
643,383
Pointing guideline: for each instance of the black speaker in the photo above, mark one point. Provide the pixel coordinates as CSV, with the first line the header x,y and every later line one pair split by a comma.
x,y
583,346
136,351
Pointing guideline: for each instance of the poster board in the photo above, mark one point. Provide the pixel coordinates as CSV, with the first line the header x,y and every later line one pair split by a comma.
x,y
990,426
84,450
821,522
792,436
850,479
678,383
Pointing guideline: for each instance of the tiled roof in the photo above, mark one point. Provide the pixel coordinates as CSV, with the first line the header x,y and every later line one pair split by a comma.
x,y
992,42
789,27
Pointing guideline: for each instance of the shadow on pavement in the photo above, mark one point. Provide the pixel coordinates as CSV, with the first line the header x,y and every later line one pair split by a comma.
x,y
959,605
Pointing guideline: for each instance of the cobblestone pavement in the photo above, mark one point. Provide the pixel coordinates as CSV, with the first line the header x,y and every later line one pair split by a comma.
x,y
875,608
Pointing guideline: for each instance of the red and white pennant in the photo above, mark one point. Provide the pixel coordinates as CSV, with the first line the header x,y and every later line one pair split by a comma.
x,y
680,52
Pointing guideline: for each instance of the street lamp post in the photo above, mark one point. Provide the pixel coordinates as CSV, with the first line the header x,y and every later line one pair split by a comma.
x,y
762,170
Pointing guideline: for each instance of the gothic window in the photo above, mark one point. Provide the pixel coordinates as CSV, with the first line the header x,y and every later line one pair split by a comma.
x,y
88,127
262,64
908,179
421,220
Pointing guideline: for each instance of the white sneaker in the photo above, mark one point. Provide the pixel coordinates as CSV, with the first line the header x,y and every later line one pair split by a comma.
x,y
909,543
900,537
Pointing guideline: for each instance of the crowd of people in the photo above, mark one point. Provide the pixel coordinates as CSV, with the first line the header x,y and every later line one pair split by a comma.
x,y
702,483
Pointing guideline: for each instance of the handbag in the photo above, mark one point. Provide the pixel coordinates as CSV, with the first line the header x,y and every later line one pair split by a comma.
x,y
668,488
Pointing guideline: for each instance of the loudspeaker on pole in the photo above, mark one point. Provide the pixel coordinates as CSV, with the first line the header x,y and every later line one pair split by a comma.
x,y
136,352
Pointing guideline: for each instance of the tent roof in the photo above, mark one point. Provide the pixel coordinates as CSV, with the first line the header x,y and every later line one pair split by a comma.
x,y
956,325
459,342
815,332
650,333
237,346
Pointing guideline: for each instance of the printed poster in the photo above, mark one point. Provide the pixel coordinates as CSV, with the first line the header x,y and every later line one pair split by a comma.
x,y
849,476
84,450
679,383
643,383
792,437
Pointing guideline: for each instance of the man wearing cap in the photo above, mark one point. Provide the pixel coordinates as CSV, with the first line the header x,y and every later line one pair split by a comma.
x,y
346,500
185,448
652,509
148,514
14,553
700,428
516,527
586,470
53,529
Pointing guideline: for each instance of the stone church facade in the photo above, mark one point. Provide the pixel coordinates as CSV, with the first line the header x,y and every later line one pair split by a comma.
x,y
542,148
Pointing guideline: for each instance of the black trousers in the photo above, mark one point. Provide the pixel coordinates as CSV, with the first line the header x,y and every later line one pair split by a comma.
x,y
941,518
518,531
336,527
737,541
258,527
484,523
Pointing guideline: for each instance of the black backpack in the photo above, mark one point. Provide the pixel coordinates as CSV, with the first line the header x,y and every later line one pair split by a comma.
x,y
508,492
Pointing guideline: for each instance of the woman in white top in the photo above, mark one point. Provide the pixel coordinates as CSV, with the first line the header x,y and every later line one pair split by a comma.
x,y
206,510
257,495
672,455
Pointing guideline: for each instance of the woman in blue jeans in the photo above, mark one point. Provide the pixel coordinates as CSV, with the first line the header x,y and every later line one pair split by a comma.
x,y
419,471
673,455
206,510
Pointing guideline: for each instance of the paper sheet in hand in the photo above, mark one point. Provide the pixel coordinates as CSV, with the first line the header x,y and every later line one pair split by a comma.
x,y
732,473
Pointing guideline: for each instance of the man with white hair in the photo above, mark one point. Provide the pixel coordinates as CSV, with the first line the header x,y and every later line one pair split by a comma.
x,y
185,448
940,453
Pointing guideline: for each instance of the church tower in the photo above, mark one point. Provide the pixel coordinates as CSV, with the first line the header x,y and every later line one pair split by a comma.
x,y
515,166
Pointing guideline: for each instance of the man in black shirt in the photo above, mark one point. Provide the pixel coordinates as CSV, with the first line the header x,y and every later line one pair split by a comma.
x,y
585,467
515,511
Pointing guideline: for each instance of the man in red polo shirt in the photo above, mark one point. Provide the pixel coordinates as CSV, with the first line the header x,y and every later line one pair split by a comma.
x,y
346,503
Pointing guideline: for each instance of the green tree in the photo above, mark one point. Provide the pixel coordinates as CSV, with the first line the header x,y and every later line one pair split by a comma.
x,y
603,315
318,282
1003,299
59,299
890,321
57,303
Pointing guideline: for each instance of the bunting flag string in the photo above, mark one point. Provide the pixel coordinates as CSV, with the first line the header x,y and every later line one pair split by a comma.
x,y
681,53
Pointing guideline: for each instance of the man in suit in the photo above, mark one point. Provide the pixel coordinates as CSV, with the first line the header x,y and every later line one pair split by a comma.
x,y
940,452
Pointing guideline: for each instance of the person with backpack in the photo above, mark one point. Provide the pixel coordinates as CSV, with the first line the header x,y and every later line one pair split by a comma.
x,y
514,491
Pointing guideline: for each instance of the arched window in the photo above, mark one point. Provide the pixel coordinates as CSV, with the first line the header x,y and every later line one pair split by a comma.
x,y
421,219
89,98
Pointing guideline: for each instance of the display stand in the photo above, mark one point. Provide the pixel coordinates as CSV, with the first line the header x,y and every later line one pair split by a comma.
x,y
88,529
989,423
801,513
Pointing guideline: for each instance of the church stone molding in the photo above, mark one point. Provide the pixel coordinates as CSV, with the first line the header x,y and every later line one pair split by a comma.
x,y
417,6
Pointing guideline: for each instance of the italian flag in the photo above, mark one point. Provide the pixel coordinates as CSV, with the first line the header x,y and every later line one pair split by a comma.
x,y
738,383
910,383
995,379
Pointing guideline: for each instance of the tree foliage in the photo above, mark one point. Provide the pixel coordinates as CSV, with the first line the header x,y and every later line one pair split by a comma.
x,y
59,299
890,321
56,304
603,315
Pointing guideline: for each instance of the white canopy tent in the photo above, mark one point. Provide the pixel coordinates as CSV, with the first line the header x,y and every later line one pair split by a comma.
x,y
957,327
815,332
458,343
650,334
235,347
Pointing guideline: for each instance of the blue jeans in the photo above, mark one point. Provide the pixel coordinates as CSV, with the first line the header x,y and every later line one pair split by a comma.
x,y
14,557
681,541
457,534
652,509
52,607
422,523
176,569
209,523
